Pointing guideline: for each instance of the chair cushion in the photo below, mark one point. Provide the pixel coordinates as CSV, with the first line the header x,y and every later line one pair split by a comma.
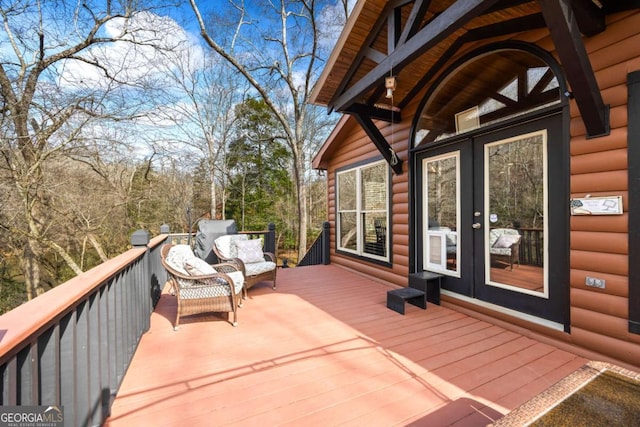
x,y
198,267
177,256
213,287
238,280
500,251
208,288
227,245
250,251
506,241
255,268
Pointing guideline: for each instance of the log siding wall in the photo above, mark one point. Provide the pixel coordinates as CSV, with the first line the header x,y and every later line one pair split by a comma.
x,y
599,166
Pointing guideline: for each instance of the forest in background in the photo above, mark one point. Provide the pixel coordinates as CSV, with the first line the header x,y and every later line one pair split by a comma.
x,y
115,117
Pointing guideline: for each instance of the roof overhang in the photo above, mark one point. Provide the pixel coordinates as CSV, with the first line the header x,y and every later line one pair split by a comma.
x,y
414,40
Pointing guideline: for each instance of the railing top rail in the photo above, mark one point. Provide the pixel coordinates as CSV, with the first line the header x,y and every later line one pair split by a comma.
x,y
17,325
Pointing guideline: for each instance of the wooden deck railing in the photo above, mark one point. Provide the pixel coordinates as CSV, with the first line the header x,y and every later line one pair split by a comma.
x,y
531,246
71,346
318,253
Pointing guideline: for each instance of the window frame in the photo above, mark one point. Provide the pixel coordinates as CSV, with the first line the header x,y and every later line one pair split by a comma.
x,y
418,137
360,212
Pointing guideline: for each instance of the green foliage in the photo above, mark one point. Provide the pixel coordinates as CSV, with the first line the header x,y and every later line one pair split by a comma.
x,y
12,290
259,166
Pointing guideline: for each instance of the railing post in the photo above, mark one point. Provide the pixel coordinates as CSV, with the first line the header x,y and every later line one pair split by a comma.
x,y
325,242
270,239
140,238
158,273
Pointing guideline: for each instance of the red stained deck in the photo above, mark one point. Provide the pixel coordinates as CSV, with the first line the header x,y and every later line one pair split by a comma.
x,y
323,350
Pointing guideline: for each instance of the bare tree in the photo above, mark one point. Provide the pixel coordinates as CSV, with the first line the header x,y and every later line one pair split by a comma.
x,y
279,53
200,98
55,82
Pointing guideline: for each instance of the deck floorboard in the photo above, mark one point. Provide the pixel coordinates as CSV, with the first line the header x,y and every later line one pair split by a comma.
x,y
323,349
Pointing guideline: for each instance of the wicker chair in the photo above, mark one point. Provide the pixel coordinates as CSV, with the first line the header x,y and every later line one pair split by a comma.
x,y
200,287
247,254
505,242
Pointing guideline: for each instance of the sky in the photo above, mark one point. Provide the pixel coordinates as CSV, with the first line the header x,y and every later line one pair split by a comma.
x,y
168,27
179,27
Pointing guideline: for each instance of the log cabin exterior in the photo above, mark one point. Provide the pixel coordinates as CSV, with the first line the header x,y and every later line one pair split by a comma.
x,y
466,117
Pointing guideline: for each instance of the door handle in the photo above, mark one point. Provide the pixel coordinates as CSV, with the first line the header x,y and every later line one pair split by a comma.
x,y
476,225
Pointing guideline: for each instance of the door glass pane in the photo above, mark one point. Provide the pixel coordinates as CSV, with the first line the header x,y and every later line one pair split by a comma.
x,y
515,212
441,236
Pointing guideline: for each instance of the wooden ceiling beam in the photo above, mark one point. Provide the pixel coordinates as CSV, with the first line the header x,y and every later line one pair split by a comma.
x,y
394,26
590,17
563,26
450,20
524,23
379,141
375,112
506,4
416,16
621,6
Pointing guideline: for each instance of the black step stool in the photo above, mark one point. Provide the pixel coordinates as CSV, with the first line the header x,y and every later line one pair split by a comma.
x,y
428,282
397,297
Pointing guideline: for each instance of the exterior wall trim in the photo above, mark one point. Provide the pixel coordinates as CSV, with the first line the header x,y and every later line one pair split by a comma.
x,y
633,142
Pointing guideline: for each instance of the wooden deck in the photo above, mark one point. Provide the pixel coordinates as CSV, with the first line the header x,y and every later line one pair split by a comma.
x,y
523,276
323,350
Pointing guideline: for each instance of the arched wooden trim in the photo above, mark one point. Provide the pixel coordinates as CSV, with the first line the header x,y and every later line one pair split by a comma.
x,y
532,49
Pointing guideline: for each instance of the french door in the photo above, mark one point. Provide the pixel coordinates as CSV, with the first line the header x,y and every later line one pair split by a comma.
x,y
494,219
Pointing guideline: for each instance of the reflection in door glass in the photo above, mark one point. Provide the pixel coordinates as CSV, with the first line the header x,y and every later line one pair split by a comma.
x,y
441,237
515,211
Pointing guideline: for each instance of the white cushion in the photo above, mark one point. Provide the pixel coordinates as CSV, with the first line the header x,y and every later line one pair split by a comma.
x,y
500,251
177,255
198,267
227,245
255,268
199,291
238,280
506,241
250,251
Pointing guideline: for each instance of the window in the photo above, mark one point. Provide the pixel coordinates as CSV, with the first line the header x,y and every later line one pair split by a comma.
x,y
362,223
496,86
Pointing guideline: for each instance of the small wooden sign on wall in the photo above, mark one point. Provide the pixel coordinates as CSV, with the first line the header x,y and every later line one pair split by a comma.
x,y
607,205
